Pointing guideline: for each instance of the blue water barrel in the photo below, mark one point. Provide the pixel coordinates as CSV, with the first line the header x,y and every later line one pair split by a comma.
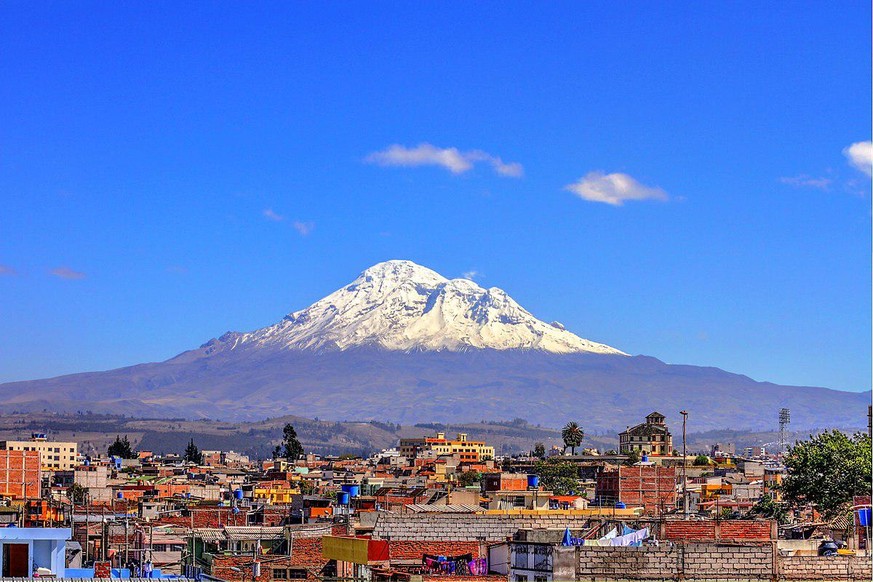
x,y
238,493
865,516
352,490
533,481
120,495
620,505
645,458
342,497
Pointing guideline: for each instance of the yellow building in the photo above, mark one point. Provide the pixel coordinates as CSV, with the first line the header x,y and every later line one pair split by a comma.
x,y
54,456
467,451
274,495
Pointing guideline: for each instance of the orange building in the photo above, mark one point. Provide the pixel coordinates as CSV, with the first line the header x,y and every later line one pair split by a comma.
x,y
20,474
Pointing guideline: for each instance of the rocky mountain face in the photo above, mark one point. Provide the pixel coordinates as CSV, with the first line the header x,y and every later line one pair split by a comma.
x,y
402,343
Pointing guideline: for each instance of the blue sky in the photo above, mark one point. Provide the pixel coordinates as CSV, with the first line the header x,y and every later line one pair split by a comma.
x,y
672,179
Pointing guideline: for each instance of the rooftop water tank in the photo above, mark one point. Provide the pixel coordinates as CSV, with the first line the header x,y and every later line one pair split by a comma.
x,y
352,490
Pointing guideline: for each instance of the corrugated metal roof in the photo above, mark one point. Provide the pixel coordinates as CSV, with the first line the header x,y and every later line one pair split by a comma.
x,y
457,508
237,533
210,534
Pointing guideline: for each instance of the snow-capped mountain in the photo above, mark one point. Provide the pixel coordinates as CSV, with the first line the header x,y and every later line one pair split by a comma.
x,y
402,343
399,305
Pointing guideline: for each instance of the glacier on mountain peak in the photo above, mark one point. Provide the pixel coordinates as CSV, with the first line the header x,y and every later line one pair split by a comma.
x,y
402,306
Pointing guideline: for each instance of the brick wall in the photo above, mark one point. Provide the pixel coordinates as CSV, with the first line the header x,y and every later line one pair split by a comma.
x,y
654,488
741,530
413,550
305,554
20,474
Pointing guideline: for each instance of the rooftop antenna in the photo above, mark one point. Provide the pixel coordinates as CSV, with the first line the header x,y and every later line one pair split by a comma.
x,y
784,421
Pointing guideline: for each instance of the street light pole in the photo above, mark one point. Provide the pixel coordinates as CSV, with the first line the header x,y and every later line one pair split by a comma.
x,y
684,414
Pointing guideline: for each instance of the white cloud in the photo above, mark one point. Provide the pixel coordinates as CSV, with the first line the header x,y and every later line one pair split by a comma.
x,y
804,181
269,214
471,274
860,155
613,189
303,228
7,270
451,159
67,273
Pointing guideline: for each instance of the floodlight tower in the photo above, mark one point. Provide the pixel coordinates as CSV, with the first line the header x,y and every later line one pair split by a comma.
x,y
784,421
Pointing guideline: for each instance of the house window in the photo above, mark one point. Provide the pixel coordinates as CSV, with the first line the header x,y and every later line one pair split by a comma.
x,y
520,558
297,574
280,574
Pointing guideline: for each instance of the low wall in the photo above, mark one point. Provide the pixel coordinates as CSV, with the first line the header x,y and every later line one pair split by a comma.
x,y
688,561
826,568
715,561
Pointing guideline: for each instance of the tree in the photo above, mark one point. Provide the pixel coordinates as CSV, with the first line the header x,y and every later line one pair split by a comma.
x,y
193,454
290,448
701,461
572,435
76,493
468,478
539,451
121,448
767,508
633,457
559,477
828,470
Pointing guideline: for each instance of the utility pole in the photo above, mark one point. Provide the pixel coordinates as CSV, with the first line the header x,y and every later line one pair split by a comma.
x,y
684,414
87,523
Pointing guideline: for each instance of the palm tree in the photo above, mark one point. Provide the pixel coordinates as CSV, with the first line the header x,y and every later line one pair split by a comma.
x,y
572,435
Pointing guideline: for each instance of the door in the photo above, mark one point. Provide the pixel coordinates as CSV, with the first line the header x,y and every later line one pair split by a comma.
x,y
15,561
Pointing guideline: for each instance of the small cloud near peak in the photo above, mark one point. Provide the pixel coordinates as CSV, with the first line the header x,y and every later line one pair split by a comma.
x,y
804,181
303,228
451,159
67,273
614,189
270,214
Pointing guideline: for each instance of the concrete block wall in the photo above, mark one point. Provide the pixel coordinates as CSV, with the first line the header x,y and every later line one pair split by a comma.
x,y
826,568
465,527
716,561
689,561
